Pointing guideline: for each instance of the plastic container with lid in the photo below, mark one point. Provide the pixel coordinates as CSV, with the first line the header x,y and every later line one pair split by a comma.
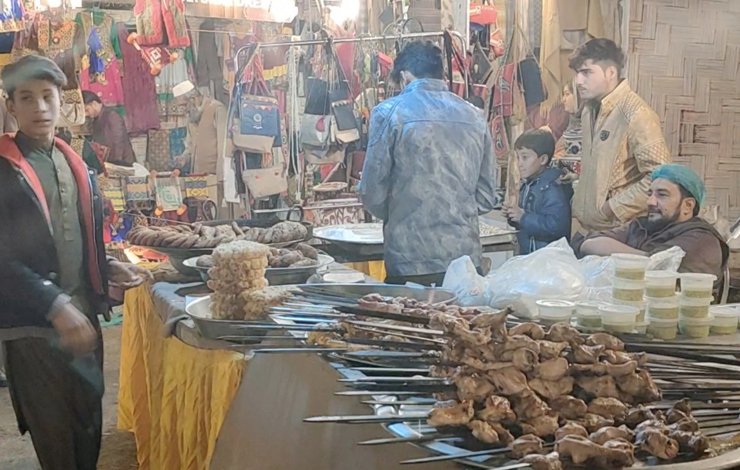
x,y
629,291
697,285
692,307
619,318
641,327
663,328
587,313
660,283
725,319
695,327
663,308
641,305
628,266
555,311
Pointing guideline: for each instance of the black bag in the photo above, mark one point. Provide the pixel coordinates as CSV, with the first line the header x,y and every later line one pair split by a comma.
x,y
481,65
530,78
317,97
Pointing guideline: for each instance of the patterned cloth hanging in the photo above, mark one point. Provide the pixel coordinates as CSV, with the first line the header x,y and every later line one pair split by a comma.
x,y
161,22
101,72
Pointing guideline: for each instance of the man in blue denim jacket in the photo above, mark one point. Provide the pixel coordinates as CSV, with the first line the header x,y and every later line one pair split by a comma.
x,y
429,171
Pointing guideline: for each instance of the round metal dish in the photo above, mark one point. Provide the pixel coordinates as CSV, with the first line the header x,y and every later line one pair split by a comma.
x,y
200,312
431,295
275,276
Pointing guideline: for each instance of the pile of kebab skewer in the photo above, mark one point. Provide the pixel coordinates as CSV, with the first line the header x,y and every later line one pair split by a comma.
x,y
545,397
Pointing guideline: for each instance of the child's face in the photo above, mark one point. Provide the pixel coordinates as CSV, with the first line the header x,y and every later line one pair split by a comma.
x,y
529,162
35,105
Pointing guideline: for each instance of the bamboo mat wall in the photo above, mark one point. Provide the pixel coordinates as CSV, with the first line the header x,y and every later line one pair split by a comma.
x,y
684,59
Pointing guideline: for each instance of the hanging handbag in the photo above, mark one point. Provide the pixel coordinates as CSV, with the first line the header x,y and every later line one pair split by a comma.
x,y
258,124
530,78
264,182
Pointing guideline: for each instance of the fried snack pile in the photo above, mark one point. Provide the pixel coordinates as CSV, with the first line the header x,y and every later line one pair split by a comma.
x,y
237,279
204,236
302,254
518,386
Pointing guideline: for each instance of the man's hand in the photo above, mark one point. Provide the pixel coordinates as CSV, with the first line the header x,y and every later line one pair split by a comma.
x,y
606,209
127,275
513,213
76,333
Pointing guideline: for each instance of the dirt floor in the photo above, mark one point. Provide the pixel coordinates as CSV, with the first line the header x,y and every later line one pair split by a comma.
x,y
119,449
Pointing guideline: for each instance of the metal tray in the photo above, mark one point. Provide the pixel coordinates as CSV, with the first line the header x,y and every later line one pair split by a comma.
x,y
200,312
275,276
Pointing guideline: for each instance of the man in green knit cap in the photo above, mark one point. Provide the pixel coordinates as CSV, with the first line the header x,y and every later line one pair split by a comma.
x,y
675,197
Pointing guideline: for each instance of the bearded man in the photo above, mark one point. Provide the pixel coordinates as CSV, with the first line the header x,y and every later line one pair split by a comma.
x,y
674,199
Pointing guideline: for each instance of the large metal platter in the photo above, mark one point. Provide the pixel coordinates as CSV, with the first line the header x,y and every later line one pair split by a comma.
x,y
275,276
369,237
200,312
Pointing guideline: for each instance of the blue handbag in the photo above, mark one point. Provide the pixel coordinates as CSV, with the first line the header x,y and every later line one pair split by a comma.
x,y
258,127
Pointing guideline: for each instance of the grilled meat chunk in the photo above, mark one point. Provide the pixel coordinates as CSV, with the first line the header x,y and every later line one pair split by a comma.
x,y
570,429
552,389
483,432
606,340
608,433
609,408
533,330
496,409
554,369
550,461
569,407
451,414
525,445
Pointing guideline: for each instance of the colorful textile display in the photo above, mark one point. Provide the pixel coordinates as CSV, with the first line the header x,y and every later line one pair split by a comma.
x,y
139,92
101,73
161,22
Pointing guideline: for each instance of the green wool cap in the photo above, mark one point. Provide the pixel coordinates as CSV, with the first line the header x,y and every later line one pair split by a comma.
x,y
684,177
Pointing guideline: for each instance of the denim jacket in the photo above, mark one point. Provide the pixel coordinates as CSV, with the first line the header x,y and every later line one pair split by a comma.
x,y
429,172
546,211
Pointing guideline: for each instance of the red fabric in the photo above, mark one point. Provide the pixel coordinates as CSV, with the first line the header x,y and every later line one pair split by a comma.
x,y
10,151
173,12
483,14
151,13
503,93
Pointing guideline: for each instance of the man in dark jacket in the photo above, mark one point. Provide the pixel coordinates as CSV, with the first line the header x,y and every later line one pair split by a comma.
x,y
675,197
53,274
109,130
543,214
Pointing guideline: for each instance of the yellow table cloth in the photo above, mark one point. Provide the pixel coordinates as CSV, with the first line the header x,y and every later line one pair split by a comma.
x,y
173,397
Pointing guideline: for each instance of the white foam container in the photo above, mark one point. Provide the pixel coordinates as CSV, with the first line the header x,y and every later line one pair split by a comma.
x,y
663,308
661,281
662,328
695,327
725,319
555,311
698,282
629,262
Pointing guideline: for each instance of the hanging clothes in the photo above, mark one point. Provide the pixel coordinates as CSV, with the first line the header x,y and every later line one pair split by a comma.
x,y
139,90
161,22
208,69
101,72
60,40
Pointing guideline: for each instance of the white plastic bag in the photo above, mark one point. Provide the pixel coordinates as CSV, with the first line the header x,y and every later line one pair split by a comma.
x,y
549,273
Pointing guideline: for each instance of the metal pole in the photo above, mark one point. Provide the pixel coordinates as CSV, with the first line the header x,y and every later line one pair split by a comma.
x,y
315,42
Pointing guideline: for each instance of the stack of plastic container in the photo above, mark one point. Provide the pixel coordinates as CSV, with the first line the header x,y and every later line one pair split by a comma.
x,y
662,303
628,285
693,304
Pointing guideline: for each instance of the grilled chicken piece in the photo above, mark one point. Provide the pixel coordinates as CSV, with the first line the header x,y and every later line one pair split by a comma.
x,y
541,426
569,407
620,357
459,329
451,414
520,341
605,368
686,424
442,371
564,332
525,445
638,415
584,452
495,322
551,350
480,365
504,435
550,461
552,389
603,386
690,442
496,409
640,385
583,354
608,433
525,359
533,330
606,340
674,416
683,405
609,408
593,422
654,442
508,381
483,432
554,369
472,386
570,429
527,405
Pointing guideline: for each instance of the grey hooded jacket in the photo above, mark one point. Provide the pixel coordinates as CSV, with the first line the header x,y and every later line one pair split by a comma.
x,y
429,172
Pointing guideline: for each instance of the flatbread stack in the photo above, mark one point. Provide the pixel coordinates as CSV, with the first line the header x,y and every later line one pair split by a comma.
x,y
237,278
